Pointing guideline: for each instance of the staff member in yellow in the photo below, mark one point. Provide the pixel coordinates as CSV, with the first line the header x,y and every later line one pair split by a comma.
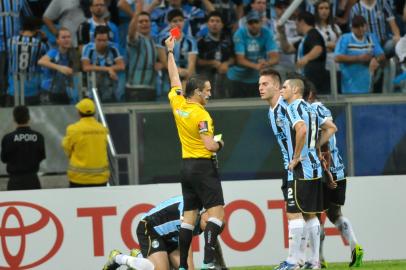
x,y
85,144
201,186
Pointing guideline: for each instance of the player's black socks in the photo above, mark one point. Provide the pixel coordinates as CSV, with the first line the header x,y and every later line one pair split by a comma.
x,y
185,239
213,229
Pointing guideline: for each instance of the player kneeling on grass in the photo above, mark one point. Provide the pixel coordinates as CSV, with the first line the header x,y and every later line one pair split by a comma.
x,y
158,236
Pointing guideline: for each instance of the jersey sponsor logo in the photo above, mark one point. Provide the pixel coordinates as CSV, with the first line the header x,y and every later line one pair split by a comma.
x,y
155,243
280,136
336,169
25,137
279,122
182,114
203,126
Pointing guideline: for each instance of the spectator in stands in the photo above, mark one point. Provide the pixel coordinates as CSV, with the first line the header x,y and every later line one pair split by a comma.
x,y
231,11
60,65
85,144
286,60
24,51
142,58
260,7
9,26
310,51
359,54
192,15
255,48
379,16
22,150
69,14
103,58
86,29
185,51
216,54
328,29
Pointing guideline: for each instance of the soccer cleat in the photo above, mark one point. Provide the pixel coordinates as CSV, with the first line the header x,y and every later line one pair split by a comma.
x,y
356,256
309,265
135,252
208,266
287,266
111,263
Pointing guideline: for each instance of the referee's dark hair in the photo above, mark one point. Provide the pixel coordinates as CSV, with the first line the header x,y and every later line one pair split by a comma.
x,y
21,114
195,82
271,72
307,17
101,29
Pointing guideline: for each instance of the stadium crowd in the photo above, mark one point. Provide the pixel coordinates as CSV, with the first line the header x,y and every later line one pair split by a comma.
x,y
50,49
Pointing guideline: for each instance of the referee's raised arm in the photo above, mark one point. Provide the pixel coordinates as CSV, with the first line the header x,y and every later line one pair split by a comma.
x,y
172,68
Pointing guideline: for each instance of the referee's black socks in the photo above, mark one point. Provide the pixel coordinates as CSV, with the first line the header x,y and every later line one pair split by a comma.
x,y
185,239
213,229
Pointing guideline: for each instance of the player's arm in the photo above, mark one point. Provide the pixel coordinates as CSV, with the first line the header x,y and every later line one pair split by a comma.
x,y
210,143
172,68
328,128
300,129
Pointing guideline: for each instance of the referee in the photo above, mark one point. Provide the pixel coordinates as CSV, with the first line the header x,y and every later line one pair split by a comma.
x,y
201,186
22,150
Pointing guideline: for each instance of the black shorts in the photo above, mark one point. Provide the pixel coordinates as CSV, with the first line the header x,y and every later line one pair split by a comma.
x,y
335,196
284,186
305,196
151,242
201,186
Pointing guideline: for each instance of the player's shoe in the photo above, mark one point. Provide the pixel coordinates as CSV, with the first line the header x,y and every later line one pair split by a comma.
x,y
287,266
309,265
111,263
208,266
356,256
135,252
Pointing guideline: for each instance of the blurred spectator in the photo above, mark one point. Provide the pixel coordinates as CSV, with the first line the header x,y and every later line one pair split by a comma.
x,y
86,29
216,54
260,7
379,16
38,7
11,14
103,58
192,15
22,150
311,52
142,58
359,54
85,144
286,60
60,65
231,11
185,51
69,14
255,48
24,51
330,31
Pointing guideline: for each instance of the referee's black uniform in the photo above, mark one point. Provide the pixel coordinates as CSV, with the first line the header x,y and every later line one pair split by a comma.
x,y
23,150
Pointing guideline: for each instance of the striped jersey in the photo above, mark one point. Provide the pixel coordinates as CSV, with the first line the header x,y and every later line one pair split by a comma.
x,y
165,218
337,167
86,32
376,16
24,53
10,15
309,167
142,57
277,117
107,59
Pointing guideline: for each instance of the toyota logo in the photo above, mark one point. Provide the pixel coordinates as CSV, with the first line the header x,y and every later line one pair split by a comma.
x,y
20,222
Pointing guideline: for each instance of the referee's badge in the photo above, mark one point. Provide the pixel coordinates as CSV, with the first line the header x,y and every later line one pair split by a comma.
x,y
203,126
155,244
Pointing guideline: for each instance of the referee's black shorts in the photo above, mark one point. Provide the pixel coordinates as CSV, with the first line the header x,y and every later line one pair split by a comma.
x,y
201,186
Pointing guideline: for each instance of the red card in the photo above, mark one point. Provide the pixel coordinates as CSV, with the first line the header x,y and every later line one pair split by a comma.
x,y
175,33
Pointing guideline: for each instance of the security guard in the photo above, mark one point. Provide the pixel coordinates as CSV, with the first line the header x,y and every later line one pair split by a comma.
x,y
85,144
201,186
23,150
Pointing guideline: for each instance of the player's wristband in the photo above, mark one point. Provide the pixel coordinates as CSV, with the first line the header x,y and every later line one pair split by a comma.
x,y
170,51
220,146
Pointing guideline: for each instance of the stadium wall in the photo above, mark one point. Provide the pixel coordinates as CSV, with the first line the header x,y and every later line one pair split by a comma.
x,y
76,228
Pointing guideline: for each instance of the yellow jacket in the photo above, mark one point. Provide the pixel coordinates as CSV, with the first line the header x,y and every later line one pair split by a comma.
x,y
85,144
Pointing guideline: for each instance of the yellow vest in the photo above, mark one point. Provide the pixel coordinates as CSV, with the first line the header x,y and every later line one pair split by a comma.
x,y
85,144
191,119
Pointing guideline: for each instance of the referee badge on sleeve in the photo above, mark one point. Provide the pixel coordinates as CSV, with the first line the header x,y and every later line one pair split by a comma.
x,y
203,126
